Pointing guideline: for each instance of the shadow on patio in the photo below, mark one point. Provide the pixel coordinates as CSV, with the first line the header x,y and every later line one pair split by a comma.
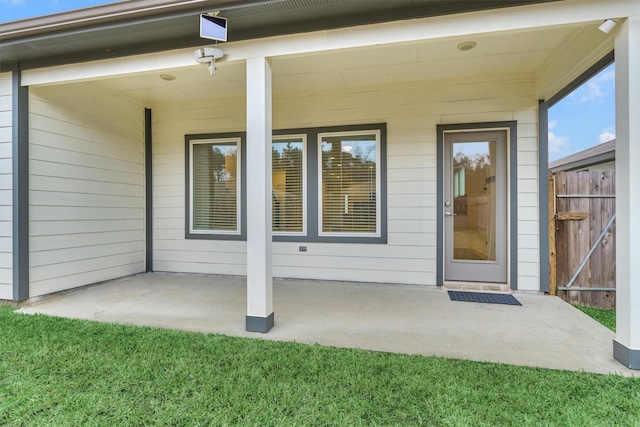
x,y
543,332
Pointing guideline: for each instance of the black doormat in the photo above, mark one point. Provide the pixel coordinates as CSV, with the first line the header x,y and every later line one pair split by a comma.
x,y
483,297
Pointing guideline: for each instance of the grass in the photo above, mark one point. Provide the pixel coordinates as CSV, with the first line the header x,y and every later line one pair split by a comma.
x,y
606,317
61,372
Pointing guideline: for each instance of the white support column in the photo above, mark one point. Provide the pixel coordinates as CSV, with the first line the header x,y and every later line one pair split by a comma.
x,y
260,317
626,346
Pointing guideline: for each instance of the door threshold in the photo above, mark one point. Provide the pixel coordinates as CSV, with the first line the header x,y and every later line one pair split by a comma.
x,y
502,288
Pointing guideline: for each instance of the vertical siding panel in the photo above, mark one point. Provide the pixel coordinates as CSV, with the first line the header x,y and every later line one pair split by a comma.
x,y
6,200
411,111
528,225
87,187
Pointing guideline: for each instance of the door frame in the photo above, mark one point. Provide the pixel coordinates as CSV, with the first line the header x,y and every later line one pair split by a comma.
x,y
512,194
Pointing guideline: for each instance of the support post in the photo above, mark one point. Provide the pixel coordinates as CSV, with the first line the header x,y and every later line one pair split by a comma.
x,y
260,316
626,346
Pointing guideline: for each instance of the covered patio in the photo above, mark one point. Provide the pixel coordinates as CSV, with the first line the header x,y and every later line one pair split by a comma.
x,y
101,182
543,332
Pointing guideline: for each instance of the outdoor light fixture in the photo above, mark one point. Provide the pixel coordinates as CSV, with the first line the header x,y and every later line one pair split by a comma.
x,y
208,56
607,26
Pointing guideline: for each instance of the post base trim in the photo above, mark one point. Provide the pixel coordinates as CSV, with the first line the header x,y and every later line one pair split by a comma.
x,y
627,356
260,324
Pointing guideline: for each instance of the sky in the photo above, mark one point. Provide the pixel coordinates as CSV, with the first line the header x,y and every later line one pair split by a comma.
x,y
585,118
11,10
581,120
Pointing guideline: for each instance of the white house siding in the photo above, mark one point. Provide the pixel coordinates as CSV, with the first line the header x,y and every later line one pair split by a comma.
x,y
86,187
6,198
171,122
528,247
411,111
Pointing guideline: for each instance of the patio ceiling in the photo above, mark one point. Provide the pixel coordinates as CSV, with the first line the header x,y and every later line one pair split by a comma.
x,y
521,54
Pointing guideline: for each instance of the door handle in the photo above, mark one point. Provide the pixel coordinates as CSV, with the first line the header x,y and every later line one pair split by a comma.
x,y
449,214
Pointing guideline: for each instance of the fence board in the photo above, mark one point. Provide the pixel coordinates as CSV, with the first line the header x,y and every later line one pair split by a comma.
x,y
608,244
561,238
595,299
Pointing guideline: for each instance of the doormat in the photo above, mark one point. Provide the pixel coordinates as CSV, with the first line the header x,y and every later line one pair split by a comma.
x,y
483,297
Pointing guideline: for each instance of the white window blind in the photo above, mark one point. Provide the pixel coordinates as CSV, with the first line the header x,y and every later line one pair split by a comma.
x,y
288,184
215,186
349,183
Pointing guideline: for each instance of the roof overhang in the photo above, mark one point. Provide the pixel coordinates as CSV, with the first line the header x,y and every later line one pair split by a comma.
x,y
145,26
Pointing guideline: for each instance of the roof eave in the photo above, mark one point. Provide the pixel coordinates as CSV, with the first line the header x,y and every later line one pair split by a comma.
x,y
106,14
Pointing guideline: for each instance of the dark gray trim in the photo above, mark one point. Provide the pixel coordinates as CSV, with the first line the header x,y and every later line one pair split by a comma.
x,y
628,357
543,192
312,189
440,205
513,199
312,186
148,174
260,324
20,162
243,187
513,194
603,63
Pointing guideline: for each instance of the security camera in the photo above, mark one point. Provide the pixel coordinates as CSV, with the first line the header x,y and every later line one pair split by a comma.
x,y
204,55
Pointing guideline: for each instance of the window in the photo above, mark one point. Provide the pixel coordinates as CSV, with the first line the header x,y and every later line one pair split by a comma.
x,y
214,178
328,185
288,182
349,185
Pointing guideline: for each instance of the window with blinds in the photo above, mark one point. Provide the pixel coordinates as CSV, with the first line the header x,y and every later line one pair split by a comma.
x,y
288,184
215,186
349,183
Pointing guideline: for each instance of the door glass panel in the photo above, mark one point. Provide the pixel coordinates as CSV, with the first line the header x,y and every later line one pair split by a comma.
x,y
474,201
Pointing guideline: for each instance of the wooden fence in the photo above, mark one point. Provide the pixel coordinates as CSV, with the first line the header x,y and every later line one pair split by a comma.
x,y
582,237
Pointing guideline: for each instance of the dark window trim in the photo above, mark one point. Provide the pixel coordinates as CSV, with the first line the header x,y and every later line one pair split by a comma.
x,y
312,184
512,159
311,190
243,187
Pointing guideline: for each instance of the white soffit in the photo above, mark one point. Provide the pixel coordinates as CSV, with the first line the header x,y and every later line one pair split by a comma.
x,y
512,55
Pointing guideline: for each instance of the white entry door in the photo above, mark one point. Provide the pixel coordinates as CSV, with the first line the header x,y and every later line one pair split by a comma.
x,y
475,206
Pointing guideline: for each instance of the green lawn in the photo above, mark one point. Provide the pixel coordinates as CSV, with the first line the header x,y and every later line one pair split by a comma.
x,y
606,317
59,372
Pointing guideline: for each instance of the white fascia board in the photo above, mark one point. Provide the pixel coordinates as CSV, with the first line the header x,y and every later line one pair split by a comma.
x,y
508,19
93,70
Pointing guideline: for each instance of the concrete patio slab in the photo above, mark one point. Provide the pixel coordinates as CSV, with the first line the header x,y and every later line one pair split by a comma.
x,y
543,332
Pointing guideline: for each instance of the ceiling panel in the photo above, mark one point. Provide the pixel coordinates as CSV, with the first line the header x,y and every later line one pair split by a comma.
x,y
517,53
